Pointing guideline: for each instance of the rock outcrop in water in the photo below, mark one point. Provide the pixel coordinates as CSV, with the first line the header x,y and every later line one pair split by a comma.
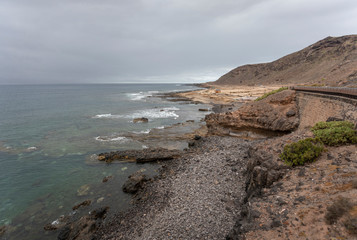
x,y
140,120
85,227
140,156
278,112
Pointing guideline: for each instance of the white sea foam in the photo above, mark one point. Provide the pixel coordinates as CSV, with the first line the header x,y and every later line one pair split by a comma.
x,y
147,131
154,113
111,139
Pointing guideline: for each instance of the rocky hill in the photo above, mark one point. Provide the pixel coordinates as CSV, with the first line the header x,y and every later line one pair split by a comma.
x,y
331,62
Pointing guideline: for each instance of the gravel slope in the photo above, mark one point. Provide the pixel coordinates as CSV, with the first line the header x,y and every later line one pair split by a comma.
x,y
195,197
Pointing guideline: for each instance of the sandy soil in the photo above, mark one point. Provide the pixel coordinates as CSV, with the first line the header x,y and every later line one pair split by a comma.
x,y
227,94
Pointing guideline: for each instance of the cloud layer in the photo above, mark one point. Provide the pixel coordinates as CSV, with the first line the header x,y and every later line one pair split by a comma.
x,y
81,41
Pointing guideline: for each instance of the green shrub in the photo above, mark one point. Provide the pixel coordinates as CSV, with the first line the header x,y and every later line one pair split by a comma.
x,y
271,93
335,132
298,153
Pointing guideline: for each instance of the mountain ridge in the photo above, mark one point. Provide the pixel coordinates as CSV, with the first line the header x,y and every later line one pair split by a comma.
x,y
331,61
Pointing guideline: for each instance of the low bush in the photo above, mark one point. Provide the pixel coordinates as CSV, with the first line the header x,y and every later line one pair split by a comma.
x,y
335,133
271,93
338,208
303,151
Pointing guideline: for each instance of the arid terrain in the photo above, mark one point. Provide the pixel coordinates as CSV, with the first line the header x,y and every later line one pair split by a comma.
x,y
231,182
329,62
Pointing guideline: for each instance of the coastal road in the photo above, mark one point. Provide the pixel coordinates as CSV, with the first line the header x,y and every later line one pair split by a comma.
x,y
339,91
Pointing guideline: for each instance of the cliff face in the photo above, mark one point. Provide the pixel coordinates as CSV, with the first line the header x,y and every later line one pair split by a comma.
x,y
331,61
277,112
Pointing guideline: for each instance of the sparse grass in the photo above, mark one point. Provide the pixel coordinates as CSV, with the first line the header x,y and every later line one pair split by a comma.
x,y
335,133
338,208
271,93
303,151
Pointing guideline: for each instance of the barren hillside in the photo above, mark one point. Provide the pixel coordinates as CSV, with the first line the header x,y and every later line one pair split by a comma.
x,y
331,61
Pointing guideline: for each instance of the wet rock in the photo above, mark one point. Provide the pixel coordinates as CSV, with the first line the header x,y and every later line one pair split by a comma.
x,y
106,179
2,230
85,227
203,109
58,223
49,227
83,190
140,156
140,120
135,182
82,204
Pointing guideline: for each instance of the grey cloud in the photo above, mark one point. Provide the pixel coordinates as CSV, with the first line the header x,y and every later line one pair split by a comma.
x,y
65,41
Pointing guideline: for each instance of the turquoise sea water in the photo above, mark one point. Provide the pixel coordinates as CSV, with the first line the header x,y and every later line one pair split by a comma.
x,y
49,132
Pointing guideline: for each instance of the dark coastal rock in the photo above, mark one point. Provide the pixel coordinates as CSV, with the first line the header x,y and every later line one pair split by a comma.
x,y
82,204
140,120
262,171
140,156
135,182
203,109
57,224
278,112
2,230
85,227
106,179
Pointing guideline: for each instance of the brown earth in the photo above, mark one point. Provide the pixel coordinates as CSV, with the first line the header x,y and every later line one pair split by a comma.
x,y
303,202
331,62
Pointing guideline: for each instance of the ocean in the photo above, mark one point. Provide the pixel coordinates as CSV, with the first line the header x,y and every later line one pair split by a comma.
x,y
49,133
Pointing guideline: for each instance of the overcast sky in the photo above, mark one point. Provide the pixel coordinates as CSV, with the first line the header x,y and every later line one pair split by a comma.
x,y
108,41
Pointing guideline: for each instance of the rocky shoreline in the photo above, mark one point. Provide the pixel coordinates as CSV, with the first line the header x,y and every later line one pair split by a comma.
x,y
225,187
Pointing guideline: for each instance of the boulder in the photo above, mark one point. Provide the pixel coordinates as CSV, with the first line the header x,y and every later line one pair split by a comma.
x,y
135,182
